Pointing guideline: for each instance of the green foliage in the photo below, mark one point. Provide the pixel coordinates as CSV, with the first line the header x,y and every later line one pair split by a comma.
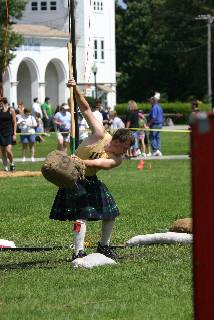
x,y
161,47
90,101
175,108
13,40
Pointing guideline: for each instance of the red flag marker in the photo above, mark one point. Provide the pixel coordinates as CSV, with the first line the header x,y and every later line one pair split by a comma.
x,y
150,166
140,165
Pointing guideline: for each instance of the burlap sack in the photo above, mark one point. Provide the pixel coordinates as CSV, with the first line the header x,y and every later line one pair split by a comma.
x,y
62,170
182,225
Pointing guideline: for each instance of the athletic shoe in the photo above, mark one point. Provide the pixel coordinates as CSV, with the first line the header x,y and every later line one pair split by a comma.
x,y
149,154
157,153
12,168
143,154
32,159
23,159
81,254
108,251
5,170
138,153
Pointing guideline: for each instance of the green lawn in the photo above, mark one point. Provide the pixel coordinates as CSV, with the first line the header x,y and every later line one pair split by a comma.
x,y
173,143
150,282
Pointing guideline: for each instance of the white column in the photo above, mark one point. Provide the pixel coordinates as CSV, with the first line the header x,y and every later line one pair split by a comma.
x,y
42,92
14,85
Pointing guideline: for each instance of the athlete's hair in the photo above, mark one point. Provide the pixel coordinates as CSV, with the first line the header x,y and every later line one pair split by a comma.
x,y
123,135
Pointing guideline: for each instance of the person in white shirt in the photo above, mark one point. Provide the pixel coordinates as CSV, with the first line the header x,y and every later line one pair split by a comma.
x,y
27,124
116,121
36,108
62,120
97,114
83,126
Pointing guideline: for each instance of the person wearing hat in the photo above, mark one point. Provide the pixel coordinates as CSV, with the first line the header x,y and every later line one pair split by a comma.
x,y
62,120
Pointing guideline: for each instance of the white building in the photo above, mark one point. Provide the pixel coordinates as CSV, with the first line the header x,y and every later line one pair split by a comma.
x,y
40,68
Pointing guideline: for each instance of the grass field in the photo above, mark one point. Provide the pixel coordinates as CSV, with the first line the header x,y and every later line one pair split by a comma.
x,y
173,143
150,282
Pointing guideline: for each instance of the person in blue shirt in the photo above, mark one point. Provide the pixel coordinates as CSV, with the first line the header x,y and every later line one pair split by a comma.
x,y
155,120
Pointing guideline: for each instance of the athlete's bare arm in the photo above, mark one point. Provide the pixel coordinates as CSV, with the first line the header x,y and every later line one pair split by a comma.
x,y
98,130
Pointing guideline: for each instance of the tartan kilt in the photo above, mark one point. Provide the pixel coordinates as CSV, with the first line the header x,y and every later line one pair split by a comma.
x,y
88,199
6,137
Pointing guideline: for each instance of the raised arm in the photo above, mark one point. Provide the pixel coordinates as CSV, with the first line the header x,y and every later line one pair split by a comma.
x,y
95,126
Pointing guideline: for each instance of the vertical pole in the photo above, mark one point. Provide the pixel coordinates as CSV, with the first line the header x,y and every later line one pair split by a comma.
x,y
95,79
71,101
209,21
73,42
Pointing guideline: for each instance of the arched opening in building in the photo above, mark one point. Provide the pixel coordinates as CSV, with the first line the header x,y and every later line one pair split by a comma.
x,y
27,77
55,78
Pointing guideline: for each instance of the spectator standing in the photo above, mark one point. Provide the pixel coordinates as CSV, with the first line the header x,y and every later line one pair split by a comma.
x,y
132,122
106,120
7,133
155,121
117,123
39,128
47,116
21,108
15,106
36,108
194,107
83,126
62,120
97,114
143,136
28,125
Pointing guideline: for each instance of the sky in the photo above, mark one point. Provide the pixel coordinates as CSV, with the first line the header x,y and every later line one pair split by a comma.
x,y
123,5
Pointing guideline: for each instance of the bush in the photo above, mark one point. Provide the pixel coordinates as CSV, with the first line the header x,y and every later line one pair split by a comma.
x,y
170,107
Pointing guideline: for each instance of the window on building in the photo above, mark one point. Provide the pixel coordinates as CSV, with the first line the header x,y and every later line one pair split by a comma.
x,y
34,6
43,5
95,50
98,6
102,50
53,5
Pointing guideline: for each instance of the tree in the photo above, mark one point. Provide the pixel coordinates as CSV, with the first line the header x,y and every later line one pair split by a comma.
x,y
161,47
13,40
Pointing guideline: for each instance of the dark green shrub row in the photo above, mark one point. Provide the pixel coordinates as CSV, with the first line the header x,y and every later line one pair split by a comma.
x,y
175,108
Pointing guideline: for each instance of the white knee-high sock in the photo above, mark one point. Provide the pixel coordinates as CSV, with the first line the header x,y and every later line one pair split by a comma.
x,y
106,231
79,236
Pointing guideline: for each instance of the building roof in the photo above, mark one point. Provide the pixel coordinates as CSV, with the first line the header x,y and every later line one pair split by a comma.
x,y
105,88
39,30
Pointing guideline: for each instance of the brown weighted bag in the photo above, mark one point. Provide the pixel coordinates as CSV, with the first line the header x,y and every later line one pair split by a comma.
x,y
62,170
